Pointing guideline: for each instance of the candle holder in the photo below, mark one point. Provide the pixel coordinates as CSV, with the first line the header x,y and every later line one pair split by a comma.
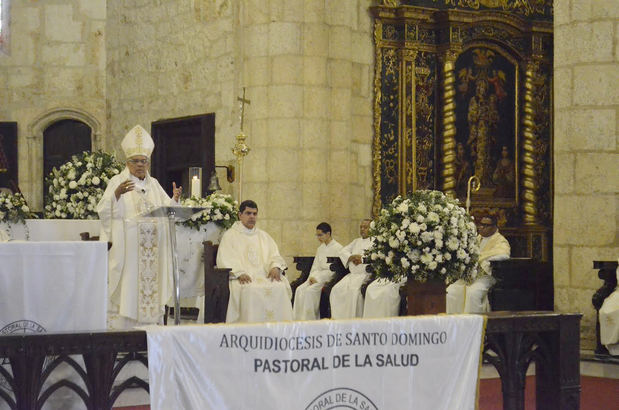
x,y
195,179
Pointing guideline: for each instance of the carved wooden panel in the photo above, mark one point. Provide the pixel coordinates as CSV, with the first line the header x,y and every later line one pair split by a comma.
x,y
464,88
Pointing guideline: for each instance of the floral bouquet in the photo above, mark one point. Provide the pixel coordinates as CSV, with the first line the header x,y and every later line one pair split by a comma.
x,y
74,190
425,235
13,208
220,209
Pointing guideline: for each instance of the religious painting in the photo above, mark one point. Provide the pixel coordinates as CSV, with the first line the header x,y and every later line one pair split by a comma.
x,y
486,124
8,156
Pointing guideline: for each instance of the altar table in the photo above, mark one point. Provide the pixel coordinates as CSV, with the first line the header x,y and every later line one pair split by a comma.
x,y
52,286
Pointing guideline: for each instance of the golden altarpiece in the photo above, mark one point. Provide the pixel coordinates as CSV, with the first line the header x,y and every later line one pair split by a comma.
x,y
462,88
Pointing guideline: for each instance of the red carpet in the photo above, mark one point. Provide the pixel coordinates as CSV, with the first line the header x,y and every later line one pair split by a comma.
x,y
596,394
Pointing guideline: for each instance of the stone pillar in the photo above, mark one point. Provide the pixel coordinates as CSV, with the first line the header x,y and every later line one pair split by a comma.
x,y
586,199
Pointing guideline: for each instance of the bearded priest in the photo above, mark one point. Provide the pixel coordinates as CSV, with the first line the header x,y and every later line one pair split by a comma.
x,y
140,264
259,292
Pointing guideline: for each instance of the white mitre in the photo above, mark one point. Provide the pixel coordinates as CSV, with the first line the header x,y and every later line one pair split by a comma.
x,y
137,142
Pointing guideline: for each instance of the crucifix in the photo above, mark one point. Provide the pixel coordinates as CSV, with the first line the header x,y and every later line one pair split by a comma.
x,y
243,101
241,149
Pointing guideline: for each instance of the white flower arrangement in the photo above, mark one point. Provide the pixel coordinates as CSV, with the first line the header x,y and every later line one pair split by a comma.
x,y
74,190
425,235
14,209
220,209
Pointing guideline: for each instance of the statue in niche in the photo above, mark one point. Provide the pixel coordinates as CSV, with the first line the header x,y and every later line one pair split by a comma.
x,y
463,170
486,122
483,118
504,175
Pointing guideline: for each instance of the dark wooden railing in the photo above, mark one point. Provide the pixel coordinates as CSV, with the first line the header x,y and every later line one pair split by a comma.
x,y
513,341
607,271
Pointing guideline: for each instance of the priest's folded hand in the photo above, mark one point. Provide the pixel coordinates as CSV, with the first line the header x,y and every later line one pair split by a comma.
x,y
275,274
244,278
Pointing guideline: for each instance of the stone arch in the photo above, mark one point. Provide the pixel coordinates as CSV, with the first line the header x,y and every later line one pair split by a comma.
x,y
35,143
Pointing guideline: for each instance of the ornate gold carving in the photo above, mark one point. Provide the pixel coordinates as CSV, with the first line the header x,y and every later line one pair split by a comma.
x,y
529,180
448,143
391,3
527,7
376,153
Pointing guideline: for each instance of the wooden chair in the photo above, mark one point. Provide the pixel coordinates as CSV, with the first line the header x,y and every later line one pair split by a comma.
x,y
607,271
340,271
216,286
521,284
304,265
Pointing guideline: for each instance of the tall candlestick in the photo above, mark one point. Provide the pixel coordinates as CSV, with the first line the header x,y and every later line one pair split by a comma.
x,y
196,187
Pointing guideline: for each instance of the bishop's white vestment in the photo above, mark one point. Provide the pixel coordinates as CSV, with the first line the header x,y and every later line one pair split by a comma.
x,y
140,264
307,297
473,298
346,299
609,322
253,252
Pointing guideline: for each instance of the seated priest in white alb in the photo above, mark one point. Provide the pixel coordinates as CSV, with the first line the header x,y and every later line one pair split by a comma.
x,y
346,299
473,298
140,264
307,295
259,292
609,322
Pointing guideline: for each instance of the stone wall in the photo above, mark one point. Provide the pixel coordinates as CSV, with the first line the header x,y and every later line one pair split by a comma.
x,y
54,69
308,67
586,201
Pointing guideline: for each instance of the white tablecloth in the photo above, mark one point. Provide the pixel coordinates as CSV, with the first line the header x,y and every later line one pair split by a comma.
x,y
189,244
52,229
52,286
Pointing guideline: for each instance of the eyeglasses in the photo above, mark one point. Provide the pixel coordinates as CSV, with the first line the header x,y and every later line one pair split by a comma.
x,y
138,161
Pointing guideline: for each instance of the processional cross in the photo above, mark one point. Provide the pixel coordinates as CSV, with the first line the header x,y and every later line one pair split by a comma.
x,y
241,149
243,101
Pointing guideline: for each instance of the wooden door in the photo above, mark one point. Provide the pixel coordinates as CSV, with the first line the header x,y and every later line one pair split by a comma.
x,y
181,143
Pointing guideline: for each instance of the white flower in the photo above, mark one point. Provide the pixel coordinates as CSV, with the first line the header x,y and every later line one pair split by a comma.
x,y
426,258
405,263
427,236
405,223
432,265
432,217
95,180
393,242
453,243
420,218
414,228
72,184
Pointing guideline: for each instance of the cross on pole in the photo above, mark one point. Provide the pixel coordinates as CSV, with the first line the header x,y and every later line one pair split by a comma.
x,y
243,101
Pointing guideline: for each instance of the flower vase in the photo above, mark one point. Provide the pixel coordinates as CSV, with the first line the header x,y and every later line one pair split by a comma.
x,y
427,298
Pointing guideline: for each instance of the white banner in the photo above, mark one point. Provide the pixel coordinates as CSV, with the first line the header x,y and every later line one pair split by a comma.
x,y
427,362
